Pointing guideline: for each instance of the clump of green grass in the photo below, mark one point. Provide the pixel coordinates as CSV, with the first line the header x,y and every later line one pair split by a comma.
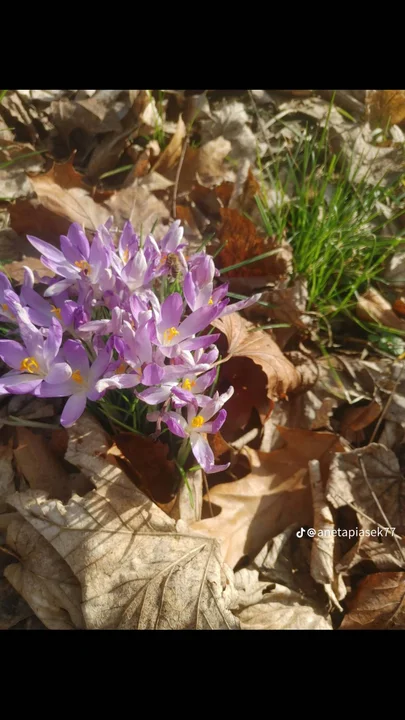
x,y
340,241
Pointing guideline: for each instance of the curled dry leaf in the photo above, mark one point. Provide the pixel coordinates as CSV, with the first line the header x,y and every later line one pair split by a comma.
x,y
385,108
348,486
273,496
147,462
323,543
42,577
383,556
378,604
43,470
245,341
171,154
280,609
372,307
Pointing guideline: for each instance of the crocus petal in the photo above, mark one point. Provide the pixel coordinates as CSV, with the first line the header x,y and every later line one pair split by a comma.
x,y
117,381
219,421
63,389
171,311
154,396
22,383
185,396
241,305
12,353
198,320
199,342
99,366
53,342
216,403
49,251
152,374
205,381
73,409
189,290
78,238
176,423
58,287
70,252
204,455
59,373
76,356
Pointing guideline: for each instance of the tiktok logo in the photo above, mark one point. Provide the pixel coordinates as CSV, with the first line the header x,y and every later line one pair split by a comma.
x,y
300,532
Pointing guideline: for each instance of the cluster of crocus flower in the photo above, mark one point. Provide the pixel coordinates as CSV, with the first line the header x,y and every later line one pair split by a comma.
x,y
113,316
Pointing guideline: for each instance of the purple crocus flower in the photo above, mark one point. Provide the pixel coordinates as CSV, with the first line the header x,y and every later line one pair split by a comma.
x,y
197,424
174,336
35,361
77,262
82,383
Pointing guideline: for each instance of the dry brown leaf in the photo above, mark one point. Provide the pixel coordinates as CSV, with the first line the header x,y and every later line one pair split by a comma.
x,y
42,468
171,154
6,473
13,607
15,269
385,108
137,204
273,496
323,543
378,604
42,577
211,168
373,307
245,341
136,570
347,486
97,114
370,556
243,242
12,246
395,274
147,462
264,606
230,121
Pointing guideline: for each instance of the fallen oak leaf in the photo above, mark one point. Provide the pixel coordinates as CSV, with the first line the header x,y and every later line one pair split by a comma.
x,y
244,340
135,566
43,578
347,485
378,604
136,570
371,306
273,496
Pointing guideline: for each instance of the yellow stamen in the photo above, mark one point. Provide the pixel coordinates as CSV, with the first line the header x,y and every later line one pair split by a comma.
x,y
198,421
4,307
121,368
29,364
188,384
125,255
139,370
210,301
83,265
76,376
57,311
169,334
